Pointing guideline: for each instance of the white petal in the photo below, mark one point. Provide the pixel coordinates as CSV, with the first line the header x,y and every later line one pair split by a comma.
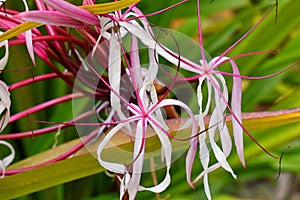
x,y
114,167
138,158
204,112
114,73
158,113
8,159
124,184
148,40
3,61
135,69
217,118
206,186
4,105
28,37
167,153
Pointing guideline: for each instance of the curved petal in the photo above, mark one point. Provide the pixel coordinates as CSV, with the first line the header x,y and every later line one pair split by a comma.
x,y
138,158
217,119
8,159
193,143
114,167
167,154
4,105
3,61
203,149
135,68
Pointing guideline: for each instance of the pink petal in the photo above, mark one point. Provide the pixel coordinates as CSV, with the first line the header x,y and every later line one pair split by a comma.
x,y
51,18
236,101
73,11
189,160
135,68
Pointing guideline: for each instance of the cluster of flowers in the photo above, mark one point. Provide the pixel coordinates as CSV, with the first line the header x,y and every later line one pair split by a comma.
x,y
102,38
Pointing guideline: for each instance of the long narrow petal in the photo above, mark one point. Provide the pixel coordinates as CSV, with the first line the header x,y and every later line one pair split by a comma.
x,y
167,152
148,40
158,112
217,118
73,11
8,159
114,73
4,105
203,149
50,18
3,61
28,37
114,167
138,157
135,68
236,101
189,160
193,143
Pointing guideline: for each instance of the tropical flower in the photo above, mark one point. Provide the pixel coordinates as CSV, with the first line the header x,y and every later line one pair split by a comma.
x,y
145,112
105,35
5,110
218,101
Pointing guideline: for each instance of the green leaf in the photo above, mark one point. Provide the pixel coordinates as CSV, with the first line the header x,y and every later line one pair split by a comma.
x,y
47,176
18,30
109,7
84,163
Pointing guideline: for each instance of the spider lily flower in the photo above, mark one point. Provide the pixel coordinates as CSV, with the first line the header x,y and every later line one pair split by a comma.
x,y
208,76
144,113
107,26
218,92
215,82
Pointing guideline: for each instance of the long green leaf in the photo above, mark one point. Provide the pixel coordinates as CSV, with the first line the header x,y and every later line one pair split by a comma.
x,y
18,30
109,7
85,164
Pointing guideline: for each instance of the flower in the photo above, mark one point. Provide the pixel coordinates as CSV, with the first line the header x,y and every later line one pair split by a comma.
x,y
218,101
208,76
145,112
5,110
